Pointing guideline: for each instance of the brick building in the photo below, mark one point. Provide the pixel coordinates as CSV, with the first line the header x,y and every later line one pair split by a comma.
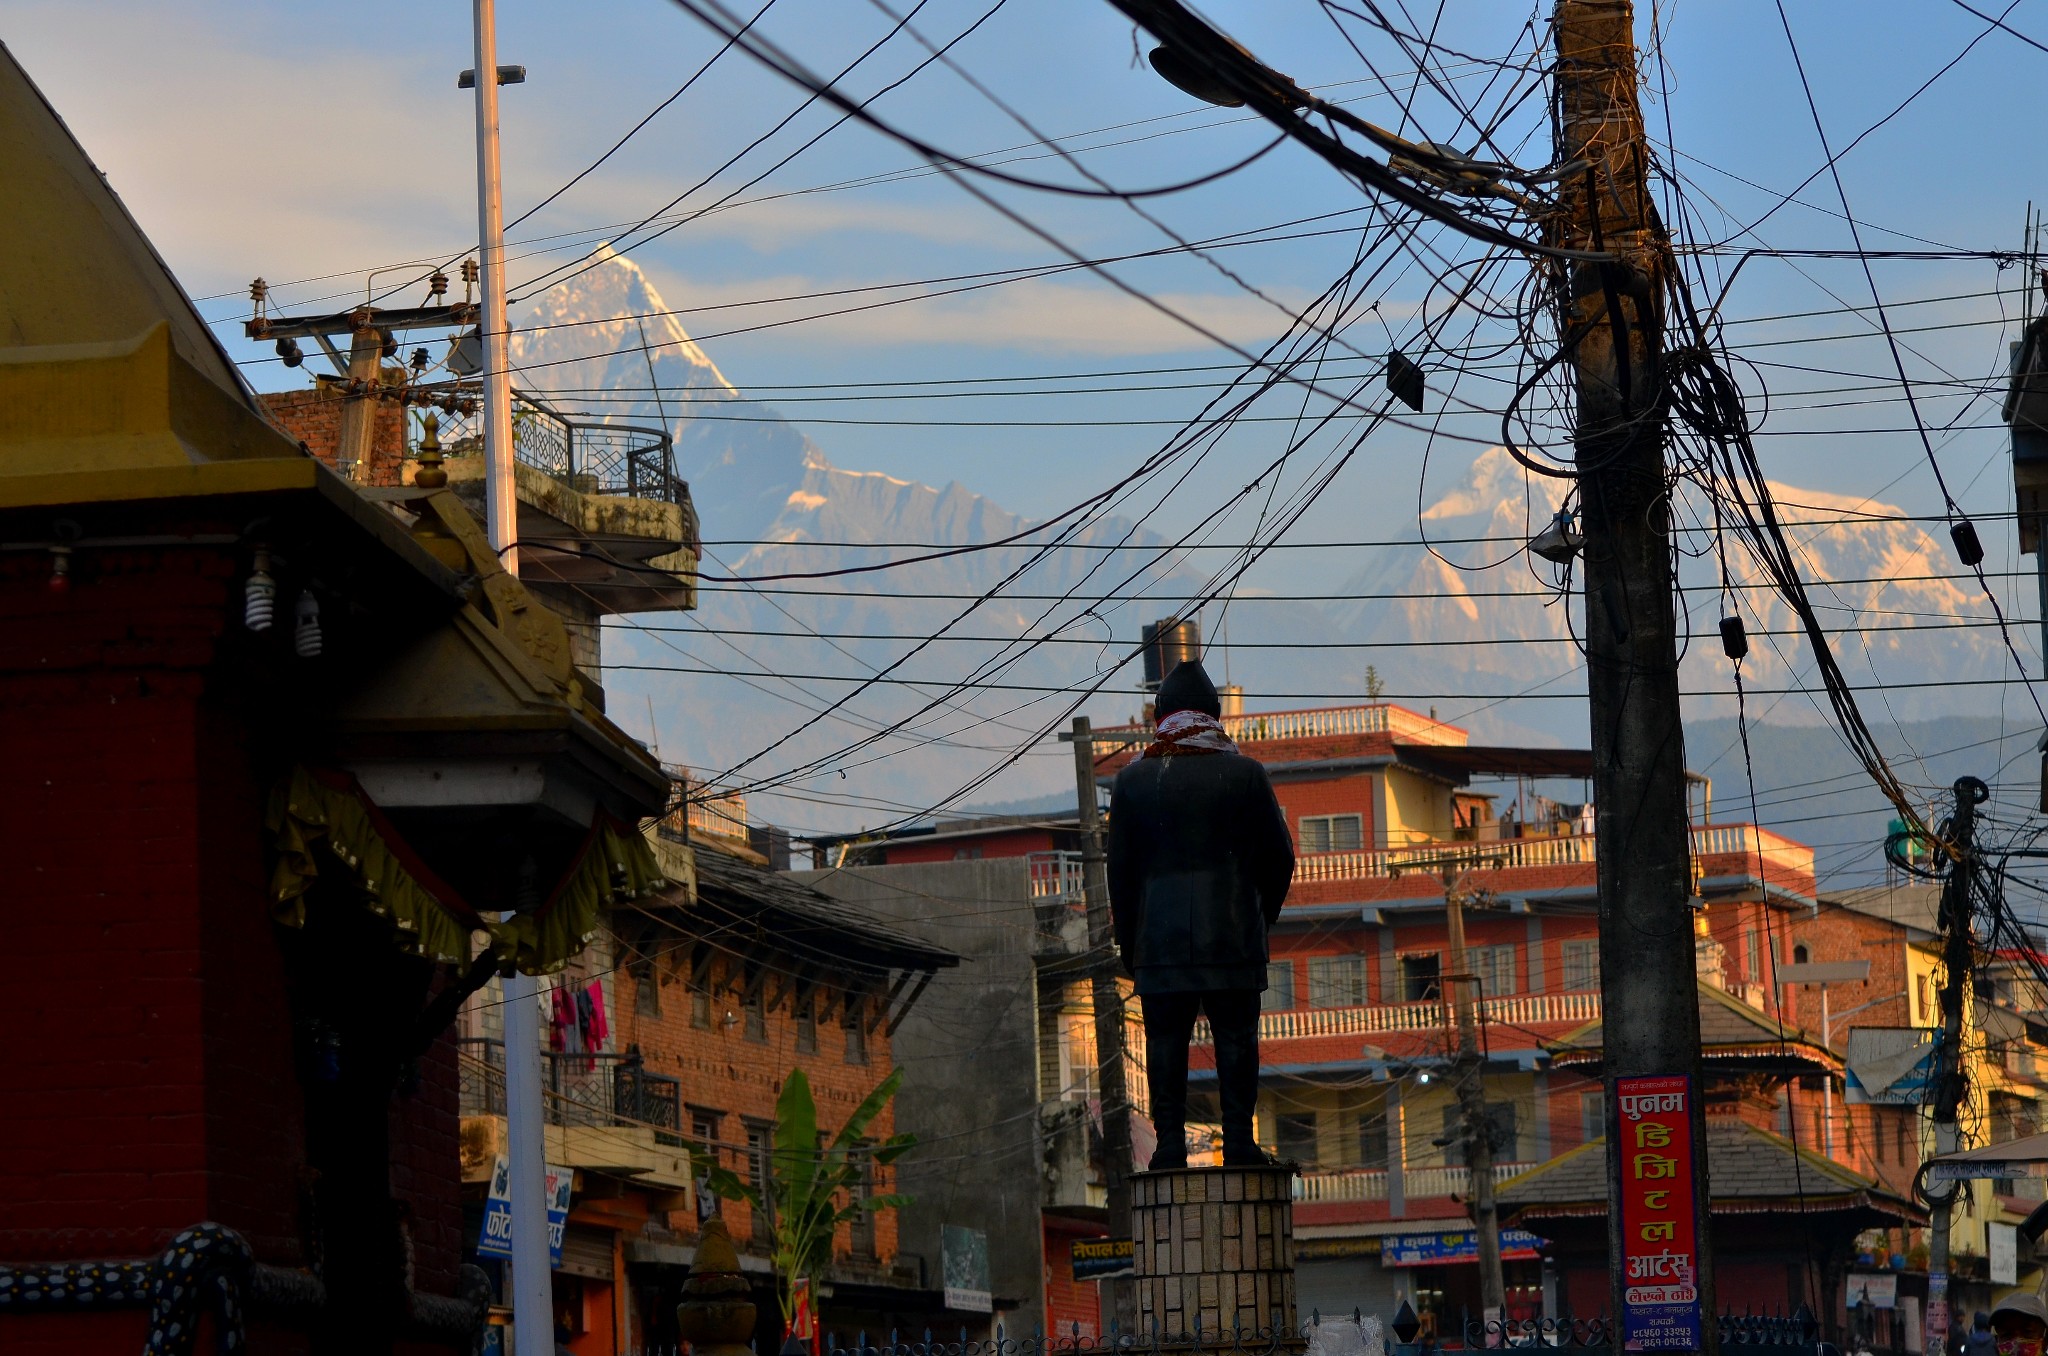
x,y
711,993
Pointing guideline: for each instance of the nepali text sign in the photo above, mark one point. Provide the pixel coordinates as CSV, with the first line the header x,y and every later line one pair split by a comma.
x,y
495,1238
1456,1245
1097,1258
1659,1214
963,1264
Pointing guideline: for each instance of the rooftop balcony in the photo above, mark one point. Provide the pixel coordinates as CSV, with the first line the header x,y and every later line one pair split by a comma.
x,y
601,1111
1570,1009
1325,722
1723,841
1336,1185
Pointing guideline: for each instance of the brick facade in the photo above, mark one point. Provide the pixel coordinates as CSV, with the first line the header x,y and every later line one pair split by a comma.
x,y
313,417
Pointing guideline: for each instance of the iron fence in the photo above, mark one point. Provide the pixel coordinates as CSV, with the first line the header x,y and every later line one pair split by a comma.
x,y
584,1089
593,456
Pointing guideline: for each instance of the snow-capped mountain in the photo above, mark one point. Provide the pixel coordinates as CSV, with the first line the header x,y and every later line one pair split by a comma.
x,y
1456,617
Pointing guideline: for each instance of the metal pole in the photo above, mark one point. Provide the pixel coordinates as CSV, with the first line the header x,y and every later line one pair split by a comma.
x,y
1949,1081
1648,970
1108,1000
1476,1126
532,1284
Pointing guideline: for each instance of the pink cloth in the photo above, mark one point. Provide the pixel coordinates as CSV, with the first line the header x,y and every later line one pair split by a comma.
x,y
1189,732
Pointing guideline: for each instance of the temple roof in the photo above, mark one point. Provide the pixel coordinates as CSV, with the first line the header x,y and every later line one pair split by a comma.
x,y
1730,1030
1760,1173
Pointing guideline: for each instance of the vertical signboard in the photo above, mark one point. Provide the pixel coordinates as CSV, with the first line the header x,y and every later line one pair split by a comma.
x,y
963,1262
495,1238
1659,1214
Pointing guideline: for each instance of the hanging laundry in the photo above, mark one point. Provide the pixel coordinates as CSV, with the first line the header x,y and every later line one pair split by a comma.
x,y
586,1026
602,1027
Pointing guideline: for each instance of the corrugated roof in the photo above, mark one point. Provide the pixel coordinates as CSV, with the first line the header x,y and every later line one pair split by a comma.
x,y
791,913
1729,1028
74,266
1749,1166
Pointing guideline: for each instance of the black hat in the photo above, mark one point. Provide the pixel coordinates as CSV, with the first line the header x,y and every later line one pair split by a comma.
x,y
1188,688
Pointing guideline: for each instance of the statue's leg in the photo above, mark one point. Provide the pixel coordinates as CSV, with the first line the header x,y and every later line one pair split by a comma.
x,y
1169,1023
1234,1018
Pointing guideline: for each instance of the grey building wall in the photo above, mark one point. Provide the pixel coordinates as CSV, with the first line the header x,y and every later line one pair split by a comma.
x,y
969,1052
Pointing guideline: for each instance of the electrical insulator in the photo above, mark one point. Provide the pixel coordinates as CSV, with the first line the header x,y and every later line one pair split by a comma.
x,y
1963,533
420,359
60,568
288,349
306,635
259,292
1734,640
259,595
437,285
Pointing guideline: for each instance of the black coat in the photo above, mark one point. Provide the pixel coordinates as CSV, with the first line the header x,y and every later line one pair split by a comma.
x,y
1199,864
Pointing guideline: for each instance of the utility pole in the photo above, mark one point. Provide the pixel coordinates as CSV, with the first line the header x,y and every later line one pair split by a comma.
x,y
359,411
1648,974
1949,1077
1476,1123
533,1283
1108,1000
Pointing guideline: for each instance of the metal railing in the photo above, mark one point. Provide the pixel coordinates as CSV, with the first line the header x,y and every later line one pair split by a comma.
x,y
1364,1019
1323,722
591,456
1370,1184
1575,849
582,1089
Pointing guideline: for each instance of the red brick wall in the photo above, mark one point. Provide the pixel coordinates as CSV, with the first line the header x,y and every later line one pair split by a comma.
x,y
1350,795
150,1081
724,1071
313,416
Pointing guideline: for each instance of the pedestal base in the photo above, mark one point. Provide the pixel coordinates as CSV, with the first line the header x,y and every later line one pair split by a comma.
x,y
1213,1251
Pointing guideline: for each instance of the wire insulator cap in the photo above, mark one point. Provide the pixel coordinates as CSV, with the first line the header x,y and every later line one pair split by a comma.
x,y
1963,533
1734,639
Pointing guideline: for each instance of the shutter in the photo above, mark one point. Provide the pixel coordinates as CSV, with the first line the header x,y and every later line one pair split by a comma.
x,y
587,1252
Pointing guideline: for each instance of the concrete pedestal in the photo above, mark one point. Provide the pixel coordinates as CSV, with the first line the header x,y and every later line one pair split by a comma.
x,y
1214,1246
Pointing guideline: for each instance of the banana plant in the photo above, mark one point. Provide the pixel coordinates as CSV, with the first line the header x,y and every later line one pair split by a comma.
x,y
806,1178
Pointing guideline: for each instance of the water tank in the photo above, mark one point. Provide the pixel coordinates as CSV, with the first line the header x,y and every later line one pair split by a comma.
x,y
1167,644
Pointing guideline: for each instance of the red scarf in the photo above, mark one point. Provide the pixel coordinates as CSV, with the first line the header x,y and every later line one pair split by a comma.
x,y
1189,732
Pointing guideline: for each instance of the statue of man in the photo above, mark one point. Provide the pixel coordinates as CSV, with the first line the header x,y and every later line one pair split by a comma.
x,y
1199,863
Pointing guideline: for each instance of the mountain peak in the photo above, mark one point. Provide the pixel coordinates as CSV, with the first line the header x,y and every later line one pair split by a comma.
x,y
608,307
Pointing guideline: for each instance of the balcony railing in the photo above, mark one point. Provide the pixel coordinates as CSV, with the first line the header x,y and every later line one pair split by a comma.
x,y
1511,1010
1370,1184
582,1089
1323,722
591,456
1575,849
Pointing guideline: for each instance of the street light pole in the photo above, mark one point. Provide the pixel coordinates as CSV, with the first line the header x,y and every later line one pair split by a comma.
x,y
1476,1122
533,1296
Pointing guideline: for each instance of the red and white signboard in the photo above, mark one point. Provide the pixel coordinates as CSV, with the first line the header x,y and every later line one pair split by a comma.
x,y
1659,1214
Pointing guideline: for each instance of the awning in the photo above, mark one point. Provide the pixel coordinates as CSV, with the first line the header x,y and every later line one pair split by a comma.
x,y
321,820
2026,1157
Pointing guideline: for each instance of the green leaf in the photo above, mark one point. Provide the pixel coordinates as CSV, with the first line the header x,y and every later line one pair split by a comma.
x,y
857,1124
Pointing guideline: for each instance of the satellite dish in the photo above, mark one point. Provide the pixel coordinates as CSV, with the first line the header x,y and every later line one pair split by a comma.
x,y
466,354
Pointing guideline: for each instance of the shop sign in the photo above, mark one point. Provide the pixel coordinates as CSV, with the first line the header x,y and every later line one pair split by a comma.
x,y
1097,1259
963,1262
1659,1214
495,1238
1878,1289
1456,1245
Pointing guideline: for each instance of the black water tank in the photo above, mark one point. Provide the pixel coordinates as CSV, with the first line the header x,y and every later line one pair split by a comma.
x,y
1167,644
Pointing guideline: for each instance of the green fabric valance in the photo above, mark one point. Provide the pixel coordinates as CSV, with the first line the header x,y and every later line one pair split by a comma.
x,y
321,820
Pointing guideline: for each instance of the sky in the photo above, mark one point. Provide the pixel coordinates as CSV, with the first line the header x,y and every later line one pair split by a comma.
x,y
332,154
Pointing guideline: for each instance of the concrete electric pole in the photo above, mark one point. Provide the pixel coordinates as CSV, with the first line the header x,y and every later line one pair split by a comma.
x,y
1106,995
1949,1078
1475,1120
533,1292
1612,323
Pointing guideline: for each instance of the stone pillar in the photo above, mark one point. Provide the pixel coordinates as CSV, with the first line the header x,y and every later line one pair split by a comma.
x,y
1214,1247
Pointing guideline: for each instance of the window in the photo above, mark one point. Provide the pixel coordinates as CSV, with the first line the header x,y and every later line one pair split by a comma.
x,y
1372,1138
646,986
761,1172
807,1022
1799,954
1336,981
1581,966
1294,1137
1506,1144
1923,998
1495,966
1592,1116
756,1012
1421,977
1332,833
853,1024
1752,957
1279,994
861,1229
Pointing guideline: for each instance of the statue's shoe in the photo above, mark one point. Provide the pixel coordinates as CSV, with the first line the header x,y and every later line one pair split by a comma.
x,y
1254,1157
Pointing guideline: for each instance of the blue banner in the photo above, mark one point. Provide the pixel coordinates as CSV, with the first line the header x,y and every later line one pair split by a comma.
x,y
495,1238
1461,1245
